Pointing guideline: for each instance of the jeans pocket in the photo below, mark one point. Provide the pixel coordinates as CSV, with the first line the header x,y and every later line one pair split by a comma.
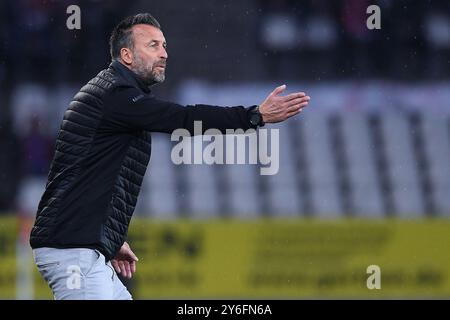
x,y
89,259
47,265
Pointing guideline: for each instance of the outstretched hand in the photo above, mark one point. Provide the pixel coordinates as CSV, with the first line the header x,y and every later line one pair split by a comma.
x,y
278,108
125,261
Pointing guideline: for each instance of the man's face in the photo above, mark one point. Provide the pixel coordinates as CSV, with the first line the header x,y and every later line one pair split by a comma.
x,y
149,53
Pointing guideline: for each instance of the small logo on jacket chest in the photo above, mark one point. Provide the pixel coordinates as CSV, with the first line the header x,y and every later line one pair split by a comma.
x,y
135,99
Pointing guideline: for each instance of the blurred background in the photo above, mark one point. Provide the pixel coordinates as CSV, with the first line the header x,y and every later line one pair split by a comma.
x,y
364,175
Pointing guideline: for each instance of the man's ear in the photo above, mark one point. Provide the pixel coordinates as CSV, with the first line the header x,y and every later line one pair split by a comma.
x,y
126,55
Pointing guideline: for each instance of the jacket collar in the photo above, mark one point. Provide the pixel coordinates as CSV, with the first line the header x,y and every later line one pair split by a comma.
x,y
130,76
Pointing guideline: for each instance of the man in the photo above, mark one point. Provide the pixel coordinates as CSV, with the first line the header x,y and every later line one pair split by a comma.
x,y
101,156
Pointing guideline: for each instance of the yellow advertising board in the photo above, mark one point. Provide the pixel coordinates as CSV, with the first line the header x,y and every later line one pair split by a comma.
x,y
279,259
292,259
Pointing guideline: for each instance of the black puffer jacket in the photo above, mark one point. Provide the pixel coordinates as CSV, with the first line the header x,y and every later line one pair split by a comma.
x,y
101,156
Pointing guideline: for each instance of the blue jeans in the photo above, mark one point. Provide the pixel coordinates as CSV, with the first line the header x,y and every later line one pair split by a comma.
x,y
79,274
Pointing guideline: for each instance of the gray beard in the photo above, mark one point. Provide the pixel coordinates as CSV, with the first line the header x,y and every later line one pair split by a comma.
x,y
146,73
159,77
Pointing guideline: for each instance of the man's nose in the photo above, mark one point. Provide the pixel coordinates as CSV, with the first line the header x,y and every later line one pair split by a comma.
x,y
164,54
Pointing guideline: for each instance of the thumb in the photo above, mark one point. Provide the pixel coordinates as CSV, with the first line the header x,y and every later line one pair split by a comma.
x,y
133,256
278,90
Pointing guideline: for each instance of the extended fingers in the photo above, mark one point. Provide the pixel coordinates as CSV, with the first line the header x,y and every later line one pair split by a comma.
x,y
294,95
297,101
297,106
293,112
